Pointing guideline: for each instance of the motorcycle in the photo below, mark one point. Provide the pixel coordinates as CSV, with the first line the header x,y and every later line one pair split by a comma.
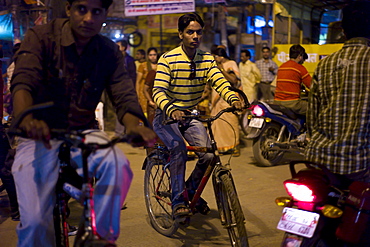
x,y
274,130
324,209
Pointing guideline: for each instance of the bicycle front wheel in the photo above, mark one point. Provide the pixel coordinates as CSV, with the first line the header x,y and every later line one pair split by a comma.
x,y
231,212
157,190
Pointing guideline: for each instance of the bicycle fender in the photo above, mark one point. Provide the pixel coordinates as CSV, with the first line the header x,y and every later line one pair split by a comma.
x,y
144,163
153,155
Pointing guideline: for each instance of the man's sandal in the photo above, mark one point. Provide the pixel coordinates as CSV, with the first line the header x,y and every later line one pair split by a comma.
x,y
181,211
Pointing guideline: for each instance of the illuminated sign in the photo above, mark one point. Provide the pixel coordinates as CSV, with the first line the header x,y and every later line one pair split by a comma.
x,y
158,7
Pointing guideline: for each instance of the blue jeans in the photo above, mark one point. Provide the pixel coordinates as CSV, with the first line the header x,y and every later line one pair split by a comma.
x,y
35,172
173,137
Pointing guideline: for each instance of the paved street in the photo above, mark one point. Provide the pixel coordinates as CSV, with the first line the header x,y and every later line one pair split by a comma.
x,y
257,188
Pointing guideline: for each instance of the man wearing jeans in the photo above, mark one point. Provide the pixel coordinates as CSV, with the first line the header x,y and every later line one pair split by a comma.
x,y
66,61
182,74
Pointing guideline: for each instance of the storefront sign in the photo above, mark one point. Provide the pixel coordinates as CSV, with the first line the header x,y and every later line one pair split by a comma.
x,y
315,54
158,7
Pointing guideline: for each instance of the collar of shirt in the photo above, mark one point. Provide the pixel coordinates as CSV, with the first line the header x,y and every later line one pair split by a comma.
x,y
358,41
67,38
183,53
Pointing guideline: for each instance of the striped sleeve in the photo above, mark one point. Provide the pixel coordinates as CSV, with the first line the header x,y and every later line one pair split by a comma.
x,y
161,84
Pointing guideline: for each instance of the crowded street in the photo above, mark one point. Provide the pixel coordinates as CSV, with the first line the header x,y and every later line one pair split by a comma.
x,y
188,123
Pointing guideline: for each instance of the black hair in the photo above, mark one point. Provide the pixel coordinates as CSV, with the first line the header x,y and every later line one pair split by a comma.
x,y
105,3
247,53
152,49
266,47
142,52
297,50
213,48
356,19
185,20
221,52
123,43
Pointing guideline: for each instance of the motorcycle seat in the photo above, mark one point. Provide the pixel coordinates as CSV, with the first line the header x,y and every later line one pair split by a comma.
x,y
287,111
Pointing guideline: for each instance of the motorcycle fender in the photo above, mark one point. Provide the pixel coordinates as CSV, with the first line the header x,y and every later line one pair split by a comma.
x,y
254,133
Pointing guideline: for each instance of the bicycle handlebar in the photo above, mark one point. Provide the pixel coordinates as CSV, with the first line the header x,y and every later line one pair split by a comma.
x,y
199,117
74,137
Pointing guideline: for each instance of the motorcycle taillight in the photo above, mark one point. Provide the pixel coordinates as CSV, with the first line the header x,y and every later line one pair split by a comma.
x,y
299,191
258,111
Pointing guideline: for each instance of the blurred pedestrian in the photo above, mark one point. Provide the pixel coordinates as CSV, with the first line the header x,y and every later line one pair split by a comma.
x,y
226,128
143,70
250,75
6,152
268,69
129,61
144,87
130,67
140,58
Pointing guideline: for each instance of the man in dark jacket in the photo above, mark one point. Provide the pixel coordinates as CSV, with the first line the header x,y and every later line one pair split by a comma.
x,y
69,63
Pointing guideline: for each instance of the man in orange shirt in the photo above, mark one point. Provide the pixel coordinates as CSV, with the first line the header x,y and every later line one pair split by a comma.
x,y
290,77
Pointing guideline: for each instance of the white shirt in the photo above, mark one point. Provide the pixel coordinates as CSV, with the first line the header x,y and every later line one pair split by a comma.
x,y
249,75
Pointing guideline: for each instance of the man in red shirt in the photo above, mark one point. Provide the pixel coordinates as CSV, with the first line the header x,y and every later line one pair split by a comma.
x,y
290,77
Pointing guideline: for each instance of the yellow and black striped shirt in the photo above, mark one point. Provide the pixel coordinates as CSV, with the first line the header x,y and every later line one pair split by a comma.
x,y
172,80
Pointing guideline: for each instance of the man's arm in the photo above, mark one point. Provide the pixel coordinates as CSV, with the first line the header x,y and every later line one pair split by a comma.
x,y
221,85
27,77
123,95
274,68
35,129
313,106
306,78
161,84
256,72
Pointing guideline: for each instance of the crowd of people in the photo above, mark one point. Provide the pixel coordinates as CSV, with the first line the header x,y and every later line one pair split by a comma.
x,y
82,64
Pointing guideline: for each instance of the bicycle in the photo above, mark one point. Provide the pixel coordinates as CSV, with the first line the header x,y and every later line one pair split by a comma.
x,y
157,187
68,183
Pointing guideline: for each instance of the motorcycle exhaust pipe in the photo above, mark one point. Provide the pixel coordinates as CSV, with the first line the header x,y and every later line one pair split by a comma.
x,y
277,146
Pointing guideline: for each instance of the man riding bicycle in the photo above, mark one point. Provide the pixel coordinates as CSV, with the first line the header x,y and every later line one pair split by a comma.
x,y
69,63
182,74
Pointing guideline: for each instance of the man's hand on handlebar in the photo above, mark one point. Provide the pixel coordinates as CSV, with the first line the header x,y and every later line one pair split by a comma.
x,y
238,105
177,115
37,130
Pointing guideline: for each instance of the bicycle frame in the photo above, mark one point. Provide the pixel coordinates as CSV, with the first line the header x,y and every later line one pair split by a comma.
x,y
211,166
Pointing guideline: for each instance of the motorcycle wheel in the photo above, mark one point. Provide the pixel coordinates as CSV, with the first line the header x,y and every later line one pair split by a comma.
x,y
261,152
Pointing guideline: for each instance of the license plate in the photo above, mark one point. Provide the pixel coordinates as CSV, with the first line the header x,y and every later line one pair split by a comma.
x,y
256,122
302,223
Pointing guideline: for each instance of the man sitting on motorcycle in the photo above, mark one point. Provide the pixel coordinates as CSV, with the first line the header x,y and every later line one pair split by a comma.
x,y
290,77
338,106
